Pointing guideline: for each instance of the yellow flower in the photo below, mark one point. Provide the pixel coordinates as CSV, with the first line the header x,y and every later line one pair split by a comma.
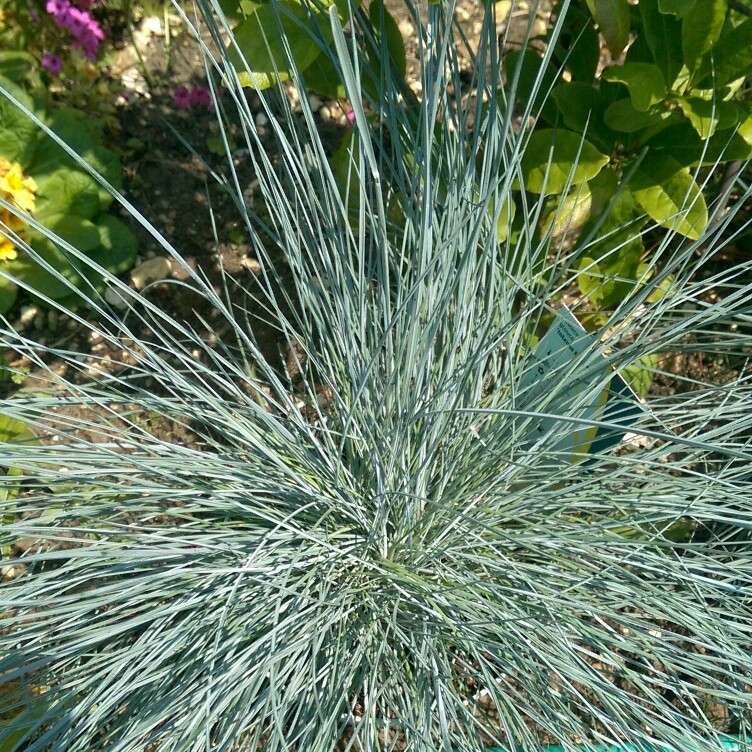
x,y
7,250
19,188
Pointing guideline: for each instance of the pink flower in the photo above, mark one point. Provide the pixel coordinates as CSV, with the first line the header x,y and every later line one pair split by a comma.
x,y
58,9
350,118
53,63
77,22
86,32
183,97
202,96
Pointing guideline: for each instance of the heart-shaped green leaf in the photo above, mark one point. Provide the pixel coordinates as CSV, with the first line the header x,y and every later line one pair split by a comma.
x,y
669,195
66,191
644,81
554,160
622,117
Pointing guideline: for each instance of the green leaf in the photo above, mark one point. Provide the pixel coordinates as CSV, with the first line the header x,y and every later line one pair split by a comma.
x,y
554,160
19,136
117,247
590,281
729,60
386,28
581,107
660,289
345,165
67,191
79,232
644,81
707,116
506,217
388,46
639,375
568,214
69,126
602,189
15,64
701,29
615,275
323,77
678,8
617,251
683,144
612,17
577,46
107,163
622,116
261,40
663,34
116,253
669,195
24,269
8,294
16,431
535,81
235,8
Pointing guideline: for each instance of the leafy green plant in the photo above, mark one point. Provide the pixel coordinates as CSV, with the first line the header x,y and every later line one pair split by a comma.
x,y
11,431
654,122
677,103
264,57
40,183
393,547
54,50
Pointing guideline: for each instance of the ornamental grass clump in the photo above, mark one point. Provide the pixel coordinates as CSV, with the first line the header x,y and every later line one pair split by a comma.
x,y
419,534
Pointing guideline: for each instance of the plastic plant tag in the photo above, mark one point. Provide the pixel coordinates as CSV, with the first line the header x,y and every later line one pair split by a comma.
x,y
564,346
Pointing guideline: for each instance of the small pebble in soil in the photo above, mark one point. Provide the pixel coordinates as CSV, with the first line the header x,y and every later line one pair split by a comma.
x,y
153,270
325,113
151,25
315,103
116,299
294,97
406,29
261,119
133,80
28,314
251,264
11,572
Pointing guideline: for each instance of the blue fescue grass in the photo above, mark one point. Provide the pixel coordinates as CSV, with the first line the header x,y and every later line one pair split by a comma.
x,y
380,554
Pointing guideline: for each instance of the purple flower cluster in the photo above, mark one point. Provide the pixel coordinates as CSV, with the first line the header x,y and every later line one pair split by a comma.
x,y
53,63
86,32
185,97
